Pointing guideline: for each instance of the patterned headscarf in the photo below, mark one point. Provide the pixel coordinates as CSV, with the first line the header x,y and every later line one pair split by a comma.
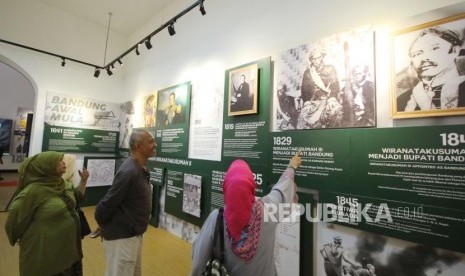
x,y
239,197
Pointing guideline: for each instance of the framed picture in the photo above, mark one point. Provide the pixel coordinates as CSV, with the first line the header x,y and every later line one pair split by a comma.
x,y
242,95
101,170
329,83
173,106
192,194
150,110
429,69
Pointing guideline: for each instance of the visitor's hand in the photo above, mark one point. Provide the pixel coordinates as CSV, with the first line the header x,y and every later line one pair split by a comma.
x,y
296,161
84,174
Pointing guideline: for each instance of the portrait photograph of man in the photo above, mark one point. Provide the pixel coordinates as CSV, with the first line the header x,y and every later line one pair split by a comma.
x,y
429,65
171,107
243,91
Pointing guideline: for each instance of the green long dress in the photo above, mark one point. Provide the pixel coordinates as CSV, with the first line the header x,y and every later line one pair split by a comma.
x,y
39,220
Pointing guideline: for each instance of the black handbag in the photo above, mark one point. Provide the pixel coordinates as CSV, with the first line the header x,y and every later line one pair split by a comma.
x,y
84,225
215,266
85,228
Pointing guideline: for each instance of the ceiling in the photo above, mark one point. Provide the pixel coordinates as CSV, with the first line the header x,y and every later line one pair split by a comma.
x,y
127,16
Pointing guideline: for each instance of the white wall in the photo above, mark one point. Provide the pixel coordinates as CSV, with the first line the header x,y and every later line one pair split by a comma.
x,y
233,32
57,32
240,31
230,34
15,91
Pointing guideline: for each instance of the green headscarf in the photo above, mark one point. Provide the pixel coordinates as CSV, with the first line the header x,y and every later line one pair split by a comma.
x,y
41,169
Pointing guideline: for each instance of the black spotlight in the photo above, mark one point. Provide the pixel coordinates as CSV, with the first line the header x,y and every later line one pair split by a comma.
x,y
109,72
97,72
171,30
120,62
137,50
202,9
63,62
148,44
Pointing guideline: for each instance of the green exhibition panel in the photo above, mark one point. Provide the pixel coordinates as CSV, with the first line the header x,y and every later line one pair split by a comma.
x,y
325,157
406,183
245,136
413,164
79,140
431,225
172,122
175,175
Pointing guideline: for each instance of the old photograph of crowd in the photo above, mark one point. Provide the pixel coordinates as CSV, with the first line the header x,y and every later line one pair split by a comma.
x,y
326,84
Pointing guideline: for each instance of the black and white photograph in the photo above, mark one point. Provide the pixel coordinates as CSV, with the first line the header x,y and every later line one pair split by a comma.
x,y
429,68
326,84
343,251
243,93
192,194
126,124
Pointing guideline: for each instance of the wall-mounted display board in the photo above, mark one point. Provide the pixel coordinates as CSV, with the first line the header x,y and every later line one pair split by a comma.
x,y
68,139
156,175
417,174
212,174
419,167
102,170
95,193
417,164
327,83
381,254
157,178
325,157
172,120
412,220
244,134
82,112
173,180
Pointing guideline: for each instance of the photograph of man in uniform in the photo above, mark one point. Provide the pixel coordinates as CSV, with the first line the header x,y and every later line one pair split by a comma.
x,y
174,112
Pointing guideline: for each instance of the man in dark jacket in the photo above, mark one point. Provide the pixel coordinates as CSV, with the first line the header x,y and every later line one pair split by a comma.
x,y
123,214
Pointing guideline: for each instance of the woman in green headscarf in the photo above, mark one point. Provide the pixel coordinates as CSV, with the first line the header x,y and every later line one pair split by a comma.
x,y
42,218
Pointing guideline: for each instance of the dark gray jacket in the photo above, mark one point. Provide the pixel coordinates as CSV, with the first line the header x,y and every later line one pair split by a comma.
x,y
125,210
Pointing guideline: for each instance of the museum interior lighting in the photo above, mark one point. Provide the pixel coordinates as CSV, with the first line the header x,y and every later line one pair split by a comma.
x,y
148,44
171,30
97,72
110,65
202,9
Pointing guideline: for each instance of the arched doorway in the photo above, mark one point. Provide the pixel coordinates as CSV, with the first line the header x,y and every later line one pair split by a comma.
x,y
18,94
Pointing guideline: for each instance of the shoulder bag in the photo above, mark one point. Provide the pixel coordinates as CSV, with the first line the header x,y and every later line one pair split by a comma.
x,y
85,228
84,225
215,266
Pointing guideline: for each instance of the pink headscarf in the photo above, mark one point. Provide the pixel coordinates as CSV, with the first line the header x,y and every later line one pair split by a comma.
x,y
239,197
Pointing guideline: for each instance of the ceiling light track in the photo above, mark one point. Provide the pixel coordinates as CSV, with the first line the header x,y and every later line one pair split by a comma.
x,y
107,67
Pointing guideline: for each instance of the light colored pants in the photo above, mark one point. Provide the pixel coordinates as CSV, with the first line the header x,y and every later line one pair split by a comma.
x,y
124,256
